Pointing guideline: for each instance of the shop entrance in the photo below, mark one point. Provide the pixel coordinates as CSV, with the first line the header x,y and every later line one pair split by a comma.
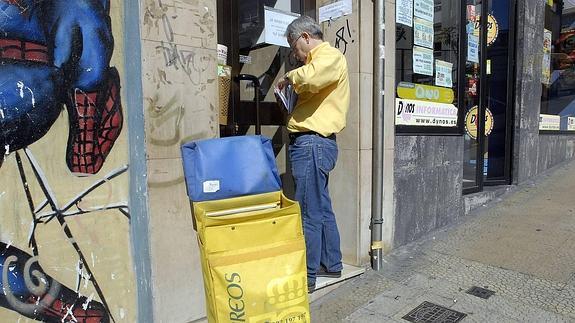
x,y
251,61
489,71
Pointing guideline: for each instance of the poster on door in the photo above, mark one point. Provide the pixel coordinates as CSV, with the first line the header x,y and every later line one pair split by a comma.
x,y
422,61
275,25
473,48
423,33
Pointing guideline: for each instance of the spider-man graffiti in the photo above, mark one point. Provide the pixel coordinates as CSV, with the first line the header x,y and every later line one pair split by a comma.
x,y
55,54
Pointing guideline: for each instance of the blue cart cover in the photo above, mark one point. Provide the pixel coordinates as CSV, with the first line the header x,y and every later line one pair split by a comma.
x,y
229,167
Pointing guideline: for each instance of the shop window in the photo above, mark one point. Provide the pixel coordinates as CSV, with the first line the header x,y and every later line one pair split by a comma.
x,y
558,73
427,66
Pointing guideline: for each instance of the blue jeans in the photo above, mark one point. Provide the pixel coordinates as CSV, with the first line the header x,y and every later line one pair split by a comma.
x,y
312,158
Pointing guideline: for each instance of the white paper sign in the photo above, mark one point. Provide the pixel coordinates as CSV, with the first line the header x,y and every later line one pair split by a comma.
x,y
549,122
211,186
404,12
422,61
335,10
423,9
473,48
443,73
423,33
276,22
425,113
570,123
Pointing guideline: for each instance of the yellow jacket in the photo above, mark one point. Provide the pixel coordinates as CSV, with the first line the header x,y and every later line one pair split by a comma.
x,y
323,92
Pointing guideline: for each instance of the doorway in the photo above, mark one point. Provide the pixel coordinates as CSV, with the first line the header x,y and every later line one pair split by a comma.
x,y
240,30
488,102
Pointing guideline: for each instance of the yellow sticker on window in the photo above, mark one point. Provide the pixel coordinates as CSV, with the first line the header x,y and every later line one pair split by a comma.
x,y
413,91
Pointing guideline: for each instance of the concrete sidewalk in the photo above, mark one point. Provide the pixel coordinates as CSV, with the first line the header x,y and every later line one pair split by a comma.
x,y
521,247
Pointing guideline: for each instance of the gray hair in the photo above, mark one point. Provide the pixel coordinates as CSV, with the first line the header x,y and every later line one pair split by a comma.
x,y
304,24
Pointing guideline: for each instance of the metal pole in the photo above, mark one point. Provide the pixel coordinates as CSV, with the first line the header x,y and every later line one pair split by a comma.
x,y
377,135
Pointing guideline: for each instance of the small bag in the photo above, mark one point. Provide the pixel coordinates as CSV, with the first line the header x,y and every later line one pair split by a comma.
x,y
229,167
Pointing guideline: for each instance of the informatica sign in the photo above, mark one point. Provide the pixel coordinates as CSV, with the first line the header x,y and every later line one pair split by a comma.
x,y
424,113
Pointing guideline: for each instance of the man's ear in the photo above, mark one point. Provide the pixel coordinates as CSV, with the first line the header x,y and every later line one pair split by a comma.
x,y
306,36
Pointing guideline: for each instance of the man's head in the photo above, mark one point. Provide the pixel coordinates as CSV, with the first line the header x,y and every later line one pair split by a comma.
x,y
303,35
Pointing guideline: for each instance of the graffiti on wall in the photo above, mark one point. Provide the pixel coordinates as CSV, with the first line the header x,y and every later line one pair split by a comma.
x,y
343,37
55,55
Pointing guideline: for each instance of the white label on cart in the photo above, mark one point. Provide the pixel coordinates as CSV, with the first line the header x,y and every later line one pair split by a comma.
x,y
211,186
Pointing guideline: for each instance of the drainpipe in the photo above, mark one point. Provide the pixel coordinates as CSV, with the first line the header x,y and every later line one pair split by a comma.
x,y
377,136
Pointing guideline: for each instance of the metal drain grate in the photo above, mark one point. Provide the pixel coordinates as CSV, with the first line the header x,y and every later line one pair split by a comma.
x,y
432,313
480,292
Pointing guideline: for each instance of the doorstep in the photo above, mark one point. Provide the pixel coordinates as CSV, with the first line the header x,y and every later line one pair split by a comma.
x,y
324,285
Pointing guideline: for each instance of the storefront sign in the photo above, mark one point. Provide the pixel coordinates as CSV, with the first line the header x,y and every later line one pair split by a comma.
x,y
411,91
443,73
473,48
424,113
276,22
471,122
404,12
422,61
423,33
423,9
546,73
335,10
549,122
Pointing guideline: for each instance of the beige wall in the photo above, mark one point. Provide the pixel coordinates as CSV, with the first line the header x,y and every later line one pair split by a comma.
x,y
350,182
102,235
180,100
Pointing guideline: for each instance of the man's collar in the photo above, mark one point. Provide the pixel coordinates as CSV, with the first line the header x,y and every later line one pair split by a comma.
x,y
314,50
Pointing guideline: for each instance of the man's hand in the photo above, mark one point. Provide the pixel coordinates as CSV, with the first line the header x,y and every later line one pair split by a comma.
x,y
283,82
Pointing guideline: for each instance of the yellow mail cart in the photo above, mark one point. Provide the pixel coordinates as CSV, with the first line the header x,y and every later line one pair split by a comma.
x,y
252,246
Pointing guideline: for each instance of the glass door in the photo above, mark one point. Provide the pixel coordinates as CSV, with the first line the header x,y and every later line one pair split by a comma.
x,y
489,94
473,96
499,71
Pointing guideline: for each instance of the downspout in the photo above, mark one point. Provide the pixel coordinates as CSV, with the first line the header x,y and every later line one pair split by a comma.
x,y
377,135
